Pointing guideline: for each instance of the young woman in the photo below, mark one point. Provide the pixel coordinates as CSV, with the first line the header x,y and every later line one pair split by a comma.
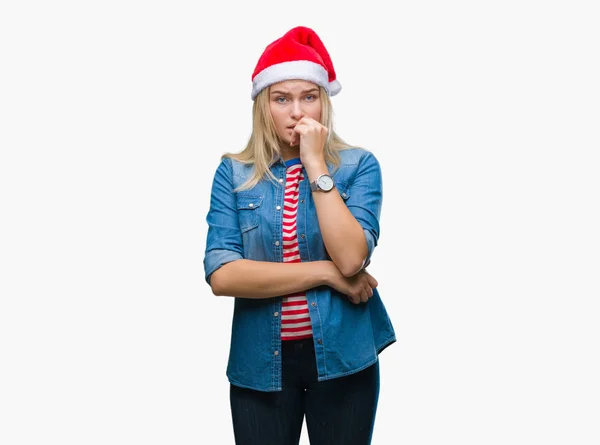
x,y
293,222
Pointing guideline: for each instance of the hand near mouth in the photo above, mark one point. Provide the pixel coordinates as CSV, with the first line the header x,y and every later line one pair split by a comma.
x,y
311,136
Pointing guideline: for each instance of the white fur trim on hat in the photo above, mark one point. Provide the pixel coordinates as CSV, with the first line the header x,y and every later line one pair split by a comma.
x,y
334,87
297,69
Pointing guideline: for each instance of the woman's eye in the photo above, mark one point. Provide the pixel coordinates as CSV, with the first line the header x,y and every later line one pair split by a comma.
x,y
310,97
280,100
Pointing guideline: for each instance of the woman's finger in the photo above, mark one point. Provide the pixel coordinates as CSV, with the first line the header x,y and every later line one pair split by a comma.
x,y
364,295
372,281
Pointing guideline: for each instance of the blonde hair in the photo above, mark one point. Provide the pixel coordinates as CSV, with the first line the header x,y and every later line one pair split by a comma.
x,y
263,145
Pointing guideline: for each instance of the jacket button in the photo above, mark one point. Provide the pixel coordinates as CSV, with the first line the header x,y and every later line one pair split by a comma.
x,y
302,200
343,195
277,243
280,179
278,207
275,314
302,236
250,205
276,353
313,304
320,341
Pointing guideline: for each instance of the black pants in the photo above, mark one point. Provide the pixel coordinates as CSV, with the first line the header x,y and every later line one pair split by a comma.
x,y
339,411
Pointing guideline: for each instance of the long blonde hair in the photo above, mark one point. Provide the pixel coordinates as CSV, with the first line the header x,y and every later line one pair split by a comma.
x,y
263,145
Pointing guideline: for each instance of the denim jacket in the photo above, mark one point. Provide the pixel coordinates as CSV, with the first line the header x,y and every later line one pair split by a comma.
x,y
248,224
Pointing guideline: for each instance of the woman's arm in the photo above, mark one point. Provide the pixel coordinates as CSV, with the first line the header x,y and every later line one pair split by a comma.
x,y
342,235
263,279
350,229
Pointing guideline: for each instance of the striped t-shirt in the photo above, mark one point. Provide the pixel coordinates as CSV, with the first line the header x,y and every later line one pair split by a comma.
x,y
295,320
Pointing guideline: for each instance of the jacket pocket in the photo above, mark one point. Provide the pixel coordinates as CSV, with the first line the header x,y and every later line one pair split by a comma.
x,y
247,209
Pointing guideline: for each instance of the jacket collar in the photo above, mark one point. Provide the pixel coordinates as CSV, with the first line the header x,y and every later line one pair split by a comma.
x,y
279,159
276,160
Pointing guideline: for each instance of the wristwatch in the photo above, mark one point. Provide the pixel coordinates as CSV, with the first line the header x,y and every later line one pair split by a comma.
x,y
324,183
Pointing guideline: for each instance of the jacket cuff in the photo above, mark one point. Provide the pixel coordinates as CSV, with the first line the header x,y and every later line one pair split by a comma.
x,y
216,258
371,243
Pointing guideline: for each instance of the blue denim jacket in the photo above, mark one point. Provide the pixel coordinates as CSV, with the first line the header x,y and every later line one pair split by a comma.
x,y
248,224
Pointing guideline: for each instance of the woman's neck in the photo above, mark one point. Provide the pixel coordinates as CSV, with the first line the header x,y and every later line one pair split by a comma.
x,y
288,153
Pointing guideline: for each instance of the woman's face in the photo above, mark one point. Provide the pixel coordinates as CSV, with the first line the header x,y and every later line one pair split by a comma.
x,y
290,101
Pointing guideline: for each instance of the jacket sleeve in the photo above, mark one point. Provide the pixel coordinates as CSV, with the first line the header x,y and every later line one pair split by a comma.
x,y
365,199
224,238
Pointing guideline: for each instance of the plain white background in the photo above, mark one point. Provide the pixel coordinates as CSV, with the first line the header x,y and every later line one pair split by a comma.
x,y
484,116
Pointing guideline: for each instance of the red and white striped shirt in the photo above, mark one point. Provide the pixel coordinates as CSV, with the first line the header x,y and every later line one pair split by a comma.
x,y
295,319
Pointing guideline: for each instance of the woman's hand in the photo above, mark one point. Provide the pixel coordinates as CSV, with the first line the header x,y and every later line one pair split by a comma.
x,y
311,136
358,288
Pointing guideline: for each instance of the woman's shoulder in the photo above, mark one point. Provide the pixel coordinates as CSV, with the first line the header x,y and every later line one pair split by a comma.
x,y
235,166
355,155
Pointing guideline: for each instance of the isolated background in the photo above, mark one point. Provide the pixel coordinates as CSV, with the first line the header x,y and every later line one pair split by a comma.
x,y
484,116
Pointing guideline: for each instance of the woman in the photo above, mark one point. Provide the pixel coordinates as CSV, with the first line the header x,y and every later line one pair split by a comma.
x,y
293,222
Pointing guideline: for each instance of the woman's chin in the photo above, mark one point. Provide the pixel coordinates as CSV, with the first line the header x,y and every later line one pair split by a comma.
x,y
286,143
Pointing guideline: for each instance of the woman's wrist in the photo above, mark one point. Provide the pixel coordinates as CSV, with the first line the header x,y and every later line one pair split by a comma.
x,y
315,168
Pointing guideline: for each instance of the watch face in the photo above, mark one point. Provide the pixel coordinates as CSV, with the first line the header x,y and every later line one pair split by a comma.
x,y
325,182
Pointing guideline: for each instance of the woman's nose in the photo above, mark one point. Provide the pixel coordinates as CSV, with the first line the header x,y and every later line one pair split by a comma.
x,y
297,112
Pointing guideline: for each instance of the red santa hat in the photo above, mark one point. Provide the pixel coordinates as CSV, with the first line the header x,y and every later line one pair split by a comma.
x,y
299,54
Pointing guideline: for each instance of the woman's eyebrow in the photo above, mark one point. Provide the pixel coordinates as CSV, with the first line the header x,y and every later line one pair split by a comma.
x,y
312,90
